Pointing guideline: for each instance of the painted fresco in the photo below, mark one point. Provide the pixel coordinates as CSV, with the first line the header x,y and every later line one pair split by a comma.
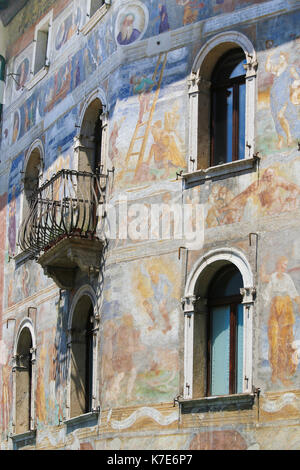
x,y
22,74
279,86
131,23
156,149
68,28
141,298
6,387
144,19
273,193
50,399
24,282
280,304
13,207
218,440
131,370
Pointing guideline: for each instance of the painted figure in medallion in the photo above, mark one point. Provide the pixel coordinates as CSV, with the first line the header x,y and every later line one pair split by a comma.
x,y
128,33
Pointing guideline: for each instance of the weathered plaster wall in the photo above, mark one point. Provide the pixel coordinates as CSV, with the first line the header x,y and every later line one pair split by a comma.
x,y
141,330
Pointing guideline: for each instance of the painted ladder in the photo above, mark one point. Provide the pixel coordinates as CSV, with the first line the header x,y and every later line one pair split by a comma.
x,y
147,123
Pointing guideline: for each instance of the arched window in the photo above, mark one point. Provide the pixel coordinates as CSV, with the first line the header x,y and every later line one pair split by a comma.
x,y
222,99
31,177
218,312
23,382
228,108
89,157
81,379
225,333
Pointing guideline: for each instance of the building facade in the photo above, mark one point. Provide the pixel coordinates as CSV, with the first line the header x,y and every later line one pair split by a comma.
x,y
149,203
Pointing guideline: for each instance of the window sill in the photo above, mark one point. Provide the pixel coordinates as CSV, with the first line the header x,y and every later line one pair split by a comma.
x,y
82,419
221,171
241,401
37,77
24,439
95,19
21,257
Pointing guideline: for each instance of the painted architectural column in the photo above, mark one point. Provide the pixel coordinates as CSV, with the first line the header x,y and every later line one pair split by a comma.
x,y
248,294
188,305
198,89
251,69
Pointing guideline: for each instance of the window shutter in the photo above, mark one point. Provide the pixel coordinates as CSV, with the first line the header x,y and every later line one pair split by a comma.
x,y
220,341
240,348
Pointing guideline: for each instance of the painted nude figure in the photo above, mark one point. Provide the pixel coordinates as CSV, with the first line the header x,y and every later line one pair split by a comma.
x,y
272,193
284,87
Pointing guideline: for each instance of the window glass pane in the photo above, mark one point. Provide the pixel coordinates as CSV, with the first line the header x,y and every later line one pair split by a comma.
x,y
242,114
220,340
229,66
238,70
240,348
223,125
226,283
228,112
229,93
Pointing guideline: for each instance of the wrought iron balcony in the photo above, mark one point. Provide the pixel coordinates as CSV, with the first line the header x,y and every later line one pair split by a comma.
x,y
62,226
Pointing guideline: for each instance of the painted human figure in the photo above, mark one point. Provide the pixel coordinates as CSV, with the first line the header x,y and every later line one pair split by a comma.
x,y
128,33
113,148
6,394
40,386
271,192
164,149
122,342
164,20
190,12
23,72
162,289
141,87
16,126
219,198
282,108
280,293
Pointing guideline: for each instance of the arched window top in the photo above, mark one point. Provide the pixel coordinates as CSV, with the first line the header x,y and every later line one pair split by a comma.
x,y
226,283
91,118
32,172
208,266
217,47
229,66
24,342
25,335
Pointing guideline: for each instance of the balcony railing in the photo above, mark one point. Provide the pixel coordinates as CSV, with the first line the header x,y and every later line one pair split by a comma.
x,y
68,205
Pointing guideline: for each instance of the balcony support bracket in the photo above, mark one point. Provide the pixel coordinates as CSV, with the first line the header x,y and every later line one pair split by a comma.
x,y
68,257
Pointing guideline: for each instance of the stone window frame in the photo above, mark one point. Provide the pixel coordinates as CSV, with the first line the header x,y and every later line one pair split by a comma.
x,y
25,323
199,89
36,145
37,76
96,17
101,96
193,305
85,290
